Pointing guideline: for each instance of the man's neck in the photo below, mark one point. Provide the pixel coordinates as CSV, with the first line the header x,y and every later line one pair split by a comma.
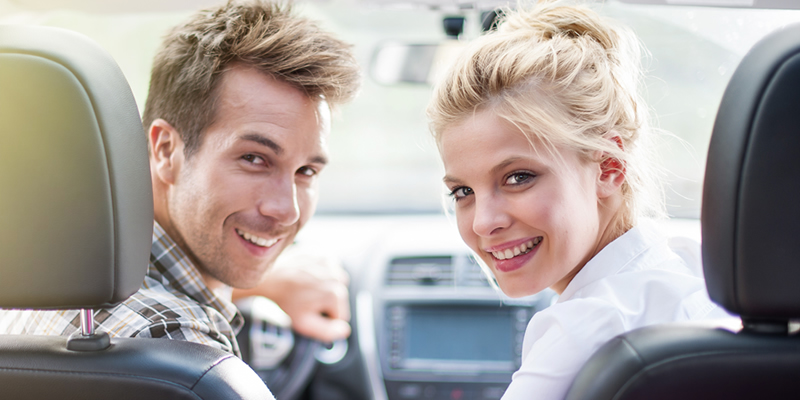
x,y
212,283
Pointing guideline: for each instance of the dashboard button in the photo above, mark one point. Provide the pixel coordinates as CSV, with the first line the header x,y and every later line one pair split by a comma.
x,y
493,392
430,392
409,391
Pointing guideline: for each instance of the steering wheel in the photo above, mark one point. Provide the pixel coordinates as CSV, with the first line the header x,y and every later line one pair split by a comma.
x,y
285,360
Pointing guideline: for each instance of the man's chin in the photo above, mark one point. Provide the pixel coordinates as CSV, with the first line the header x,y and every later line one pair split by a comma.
x,y
249,277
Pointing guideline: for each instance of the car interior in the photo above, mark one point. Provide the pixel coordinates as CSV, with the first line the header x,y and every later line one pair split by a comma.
x,y
75,176
749,228
428,321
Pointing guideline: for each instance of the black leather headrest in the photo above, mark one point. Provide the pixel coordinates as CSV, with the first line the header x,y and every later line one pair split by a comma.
x,y
751,213
76,209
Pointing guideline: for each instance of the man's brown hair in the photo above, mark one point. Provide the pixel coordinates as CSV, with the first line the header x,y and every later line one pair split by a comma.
x,y
268,36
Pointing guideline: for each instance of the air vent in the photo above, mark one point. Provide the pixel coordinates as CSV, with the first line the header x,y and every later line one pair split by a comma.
x,y
421,271
472,275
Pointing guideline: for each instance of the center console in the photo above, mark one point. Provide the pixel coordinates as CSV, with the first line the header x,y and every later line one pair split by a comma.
x,y
442,330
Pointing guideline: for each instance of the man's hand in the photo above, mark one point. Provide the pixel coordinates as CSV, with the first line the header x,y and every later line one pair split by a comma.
x,y
312,290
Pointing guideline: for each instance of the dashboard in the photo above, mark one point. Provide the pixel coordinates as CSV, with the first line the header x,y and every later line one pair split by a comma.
x,y
441,330
427,321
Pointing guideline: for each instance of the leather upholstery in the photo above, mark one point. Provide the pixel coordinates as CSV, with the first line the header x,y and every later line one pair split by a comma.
x,y
750,213
40,367
76,206
750,227
690,362
76,218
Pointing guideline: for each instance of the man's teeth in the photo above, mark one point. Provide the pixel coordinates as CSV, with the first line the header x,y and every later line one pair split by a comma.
x,y
524,248
256,240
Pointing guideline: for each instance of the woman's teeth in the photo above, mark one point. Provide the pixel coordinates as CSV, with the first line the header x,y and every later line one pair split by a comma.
x,y
524,248
261,242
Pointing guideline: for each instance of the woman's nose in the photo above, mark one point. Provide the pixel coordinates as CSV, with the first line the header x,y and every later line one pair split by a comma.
x,y
490,215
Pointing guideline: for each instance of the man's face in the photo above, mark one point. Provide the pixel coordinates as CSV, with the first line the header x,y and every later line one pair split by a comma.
x,y
242,197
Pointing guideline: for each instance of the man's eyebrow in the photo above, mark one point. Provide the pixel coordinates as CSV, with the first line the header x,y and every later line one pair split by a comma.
x,y
319,160
264,141
267,142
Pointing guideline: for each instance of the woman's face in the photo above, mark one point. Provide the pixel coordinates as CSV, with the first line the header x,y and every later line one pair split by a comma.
x,y
533,217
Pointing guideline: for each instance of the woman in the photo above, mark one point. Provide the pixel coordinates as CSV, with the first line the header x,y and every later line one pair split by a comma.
x,y
540,129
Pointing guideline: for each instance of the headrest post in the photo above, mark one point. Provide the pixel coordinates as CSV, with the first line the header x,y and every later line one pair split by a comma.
x,y
87,322
87,339
761,326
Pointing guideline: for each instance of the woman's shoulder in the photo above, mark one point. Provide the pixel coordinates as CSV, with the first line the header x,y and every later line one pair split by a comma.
x,y
580,320
632,258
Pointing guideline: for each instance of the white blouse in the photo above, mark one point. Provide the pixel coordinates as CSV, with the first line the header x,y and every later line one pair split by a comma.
x,y
636,280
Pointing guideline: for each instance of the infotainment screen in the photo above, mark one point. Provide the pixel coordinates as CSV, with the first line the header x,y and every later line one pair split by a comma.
x,y
453,333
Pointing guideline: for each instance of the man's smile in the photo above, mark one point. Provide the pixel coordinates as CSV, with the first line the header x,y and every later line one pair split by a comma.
x,y
258,241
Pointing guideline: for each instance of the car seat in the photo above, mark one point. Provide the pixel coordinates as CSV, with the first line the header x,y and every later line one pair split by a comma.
x,y
751,254
76,218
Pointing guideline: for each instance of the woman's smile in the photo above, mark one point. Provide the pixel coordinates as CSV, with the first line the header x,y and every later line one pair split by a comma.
x,y
531,214
514,251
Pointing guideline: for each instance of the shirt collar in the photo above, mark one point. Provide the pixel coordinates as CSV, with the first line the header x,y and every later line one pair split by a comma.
x,y
615,256
172,263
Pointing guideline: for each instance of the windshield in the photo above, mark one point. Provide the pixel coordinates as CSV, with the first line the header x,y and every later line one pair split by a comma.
x,y
383,157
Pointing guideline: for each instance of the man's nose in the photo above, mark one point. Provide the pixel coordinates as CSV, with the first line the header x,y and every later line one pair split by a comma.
x,y
490,215
279,201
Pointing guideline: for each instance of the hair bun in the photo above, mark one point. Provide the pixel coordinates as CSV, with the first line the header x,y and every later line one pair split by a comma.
x,y
554,19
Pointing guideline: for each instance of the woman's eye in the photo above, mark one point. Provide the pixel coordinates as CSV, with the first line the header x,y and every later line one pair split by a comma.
x,y
254,159
518,178
461,192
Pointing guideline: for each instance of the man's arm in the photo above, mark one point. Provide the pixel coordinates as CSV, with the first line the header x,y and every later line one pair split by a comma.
x,y
312,290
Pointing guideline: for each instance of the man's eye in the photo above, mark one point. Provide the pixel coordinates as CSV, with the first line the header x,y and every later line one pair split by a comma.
x,y
254,159
307,171
518,178
461,192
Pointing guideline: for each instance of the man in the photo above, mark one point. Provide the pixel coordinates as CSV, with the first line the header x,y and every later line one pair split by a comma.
x,y
237,119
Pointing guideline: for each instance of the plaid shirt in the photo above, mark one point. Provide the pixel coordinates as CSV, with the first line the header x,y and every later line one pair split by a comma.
x,y
173,303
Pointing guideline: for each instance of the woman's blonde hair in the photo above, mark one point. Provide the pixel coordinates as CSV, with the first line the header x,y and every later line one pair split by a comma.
x,y
567,78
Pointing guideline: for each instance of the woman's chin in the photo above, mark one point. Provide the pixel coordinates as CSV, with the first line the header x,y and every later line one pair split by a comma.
x,y
515,290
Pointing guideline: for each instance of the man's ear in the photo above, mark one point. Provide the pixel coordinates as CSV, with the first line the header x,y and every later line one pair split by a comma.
x,y
166,151
612,172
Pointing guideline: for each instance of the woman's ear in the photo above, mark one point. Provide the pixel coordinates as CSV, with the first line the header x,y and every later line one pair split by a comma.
x,y
612,172
166,151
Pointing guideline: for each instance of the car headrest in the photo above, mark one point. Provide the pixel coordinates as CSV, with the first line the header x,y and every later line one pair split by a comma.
x,y
76,205
751,214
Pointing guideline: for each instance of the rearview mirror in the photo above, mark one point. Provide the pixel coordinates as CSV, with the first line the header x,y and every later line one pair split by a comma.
x,y
412,63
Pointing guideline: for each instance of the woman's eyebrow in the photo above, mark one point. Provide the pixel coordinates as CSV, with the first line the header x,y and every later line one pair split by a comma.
x,y
500,166
450,179
505,163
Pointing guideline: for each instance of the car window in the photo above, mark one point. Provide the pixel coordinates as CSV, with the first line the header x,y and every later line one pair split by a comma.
x,y
383,158
416,288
